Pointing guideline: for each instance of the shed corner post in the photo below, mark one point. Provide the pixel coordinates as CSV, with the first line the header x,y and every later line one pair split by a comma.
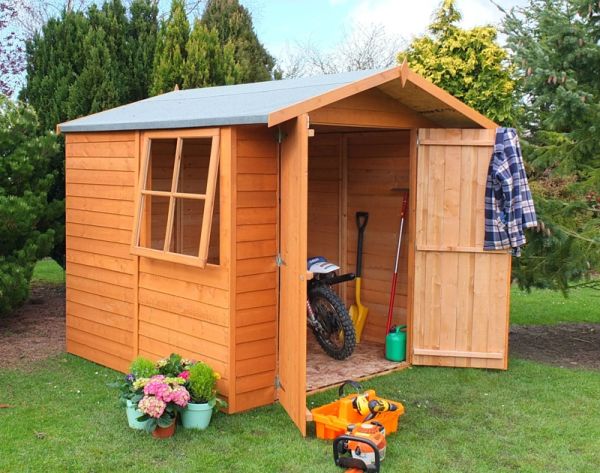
x,y
228,204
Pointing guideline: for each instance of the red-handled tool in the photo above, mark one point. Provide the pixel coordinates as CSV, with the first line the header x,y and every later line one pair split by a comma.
x,y
395,277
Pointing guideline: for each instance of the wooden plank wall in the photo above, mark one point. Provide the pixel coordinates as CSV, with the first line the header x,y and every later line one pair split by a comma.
x,y
461,292
255,312
376,163
324,179
101,272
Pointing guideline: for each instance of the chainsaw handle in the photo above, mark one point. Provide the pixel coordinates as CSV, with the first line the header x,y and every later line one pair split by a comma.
x,y
340,445
349,382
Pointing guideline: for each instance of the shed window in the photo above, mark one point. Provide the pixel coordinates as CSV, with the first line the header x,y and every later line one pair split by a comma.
x,y
178,215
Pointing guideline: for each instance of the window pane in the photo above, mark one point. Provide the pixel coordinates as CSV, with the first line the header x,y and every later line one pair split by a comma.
x,y
187,228
160,167
154,222
193,171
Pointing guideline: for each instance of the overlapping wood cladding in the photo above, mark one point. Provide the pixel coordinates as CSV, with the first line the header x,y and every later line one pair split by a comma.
x,y
184,308
101,273
255,311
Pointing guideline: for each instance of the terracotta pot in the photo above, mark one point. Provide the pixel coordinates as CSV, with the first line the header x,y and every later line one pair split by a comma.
x,y
164,432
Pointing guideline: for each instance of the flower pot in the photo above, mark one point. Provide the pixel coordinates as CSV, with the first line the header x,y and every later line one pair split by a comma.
x,y
132,414
164,432
196,416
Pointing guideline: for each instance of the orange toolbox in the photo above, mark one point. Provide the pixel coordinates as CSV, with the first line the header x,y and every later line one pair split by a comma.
x,y
332,420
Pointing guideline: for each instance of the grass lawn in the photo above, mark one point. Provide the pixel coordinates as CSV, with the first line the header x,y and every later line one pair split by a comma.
x,y
543,306
531,418
48,271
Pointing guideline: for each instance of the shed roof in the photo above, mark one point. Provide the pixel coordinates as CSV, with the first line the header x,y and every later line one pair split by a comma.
x,y
273,102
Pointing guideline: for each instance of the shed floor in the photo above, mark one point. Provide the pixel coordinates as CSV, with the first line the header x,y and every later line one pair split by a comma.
x,y
322,371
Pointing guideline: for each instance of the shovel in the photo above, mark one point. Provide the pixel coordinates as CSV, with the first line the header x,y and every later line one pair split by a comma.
x,y
358,312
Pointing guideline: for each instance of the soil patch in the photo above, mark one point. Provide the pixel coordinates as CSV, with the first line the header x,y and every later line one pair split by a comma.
x,y
565,345
36,330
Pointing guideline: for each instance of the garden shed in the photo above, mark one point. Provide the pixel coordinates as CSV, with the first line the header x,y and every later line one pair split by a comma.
x,y
190,217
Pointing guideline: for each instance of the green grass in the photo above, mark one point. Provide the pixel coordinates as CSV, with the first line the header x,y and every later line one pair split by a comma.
x,y
543,306
533,418
48,271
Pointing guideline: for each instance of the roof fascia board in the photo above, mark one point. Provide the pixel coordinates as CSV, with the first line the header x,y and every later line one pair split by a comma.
x,y
451,101
318,101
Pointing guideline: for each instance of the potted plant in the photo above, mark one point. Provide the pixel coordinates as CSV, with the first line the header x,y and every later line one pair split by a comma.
x,y
164,397
131,390
201,384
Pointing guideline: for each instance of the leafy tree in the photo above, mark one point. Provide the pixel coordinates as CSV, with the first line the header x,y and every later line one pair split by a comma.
x,y
170,55
25,179
469,64
555,45
233,24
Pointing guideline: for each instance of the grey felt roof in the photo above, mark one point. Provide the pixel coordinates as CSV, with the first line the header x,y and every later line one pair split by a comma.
x,y
213,106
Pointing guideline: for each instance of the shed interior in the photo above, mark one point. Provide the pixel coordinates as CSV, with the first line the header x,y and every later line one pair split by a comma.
x,y
351,170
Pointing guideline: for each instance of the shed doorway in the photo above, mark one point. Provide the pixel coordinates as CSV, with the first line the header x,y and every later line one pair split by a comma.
x,y
352,170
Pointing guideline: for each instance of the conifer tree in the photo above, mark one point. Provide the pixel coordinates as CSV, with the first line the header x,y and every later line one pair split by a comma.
x,y
208,63
142,31
170,55
233,24
25,179
469,64
555,45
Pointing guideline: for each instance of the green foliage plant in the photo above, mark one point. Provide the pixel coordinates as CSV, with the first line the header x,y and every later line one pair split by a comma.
x,y
142,367
25,179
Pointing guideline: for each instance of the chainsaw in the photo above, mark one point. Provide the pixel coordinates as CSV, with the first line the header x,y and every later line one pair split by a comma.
x,y
362,448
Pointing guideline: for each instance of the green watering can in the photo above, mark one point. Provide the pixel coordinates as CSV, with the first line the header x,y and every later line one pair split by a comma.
x,y
395,344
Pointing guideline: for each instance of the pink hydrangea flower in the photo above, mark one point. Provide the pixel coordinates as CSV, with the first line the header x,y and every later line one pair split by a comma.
x,y
152,406
180,396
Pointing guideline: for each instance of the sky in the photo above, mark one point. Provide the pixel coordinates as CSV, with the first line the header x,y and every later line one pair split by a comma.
x,y
280,23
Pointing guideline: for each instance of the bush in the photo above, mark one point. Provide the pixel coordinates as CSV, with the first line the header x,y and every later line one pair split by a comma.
x,y
201,383
25,179
142,367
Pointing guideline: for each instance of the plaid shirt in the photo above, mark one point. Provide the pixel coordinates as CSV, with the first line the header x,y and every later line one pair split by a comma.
x,y
509,206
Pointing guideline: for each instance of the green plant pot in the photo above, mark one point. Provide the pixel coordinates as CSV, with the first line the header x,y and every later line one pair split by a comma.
x,y
132,414
196,416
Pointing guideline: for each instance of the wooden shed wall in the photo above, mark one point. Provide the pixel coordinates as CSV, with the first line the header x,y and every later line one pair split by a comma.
x,y
120,305
255,311
101,170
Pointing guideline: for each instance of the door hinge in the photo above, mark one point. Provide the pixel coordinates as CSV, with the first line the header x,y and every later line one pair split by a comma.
x,y
279,260
277,382
280,135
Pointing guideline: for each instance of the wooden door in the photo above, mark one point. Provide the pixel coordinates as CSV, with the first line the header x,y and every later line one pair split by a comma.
x,y
292,282
461,293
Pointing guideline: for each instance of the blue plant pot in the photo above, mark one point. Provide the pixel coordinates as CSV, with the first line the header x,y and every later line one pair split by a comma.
x,y
196,416
132,414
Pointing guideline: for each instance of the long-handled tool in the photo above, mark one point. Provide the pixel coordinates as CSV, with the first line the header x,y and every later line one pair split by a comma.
x,y
395,276
359,312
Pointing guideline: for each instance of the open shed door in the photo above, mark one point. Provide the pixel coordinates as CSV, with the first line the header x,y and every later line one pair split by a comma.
x,y
292,283
461,293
